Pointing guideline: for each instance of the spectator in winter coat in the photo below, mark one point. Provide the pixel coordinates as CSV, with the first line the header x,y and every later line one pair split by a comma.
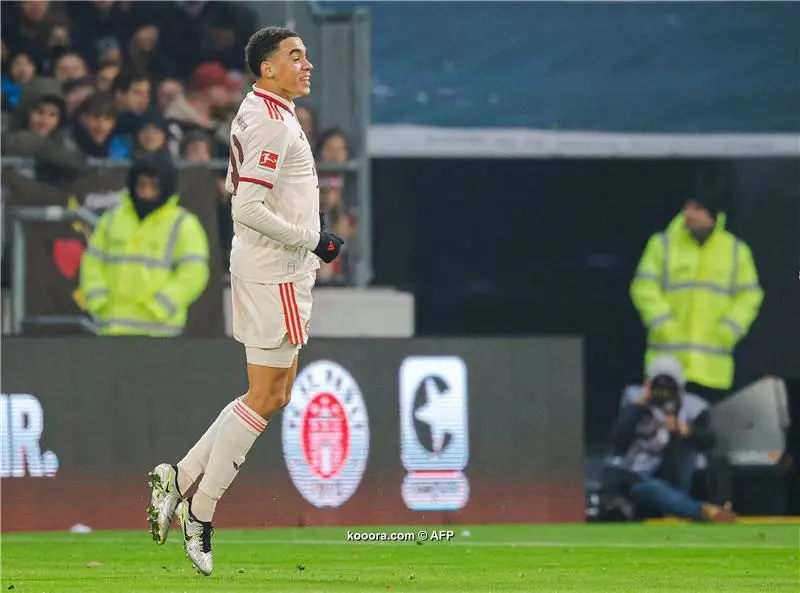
x,y
93,129
151,138
70,66
38,129
207,99
21,71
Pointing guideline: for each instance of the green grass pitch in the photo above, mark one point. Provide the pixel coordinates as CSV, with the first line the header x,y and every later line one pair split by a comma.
x,y
620,558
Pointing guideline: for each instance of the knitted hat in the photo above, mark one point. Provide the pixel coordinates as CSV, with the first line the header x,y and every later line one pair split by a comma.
x,y
669,366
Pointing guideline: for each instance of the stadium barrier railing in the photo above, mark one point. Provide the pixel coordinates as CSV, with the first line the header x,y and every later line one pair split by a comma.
x,y
15,217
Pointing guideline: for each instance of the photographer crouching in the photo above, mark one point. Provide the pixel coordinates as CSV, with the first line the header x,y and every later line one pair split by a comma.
x,y
655,446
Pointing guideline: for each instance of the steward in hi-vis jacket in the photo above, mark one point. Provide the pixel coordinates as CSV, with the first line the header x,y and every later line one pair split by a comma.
x,y
147,259
696,289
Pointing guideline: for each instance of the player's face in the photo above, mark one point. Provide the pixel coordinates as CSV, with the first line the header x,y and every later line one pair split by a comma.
x,y
290,69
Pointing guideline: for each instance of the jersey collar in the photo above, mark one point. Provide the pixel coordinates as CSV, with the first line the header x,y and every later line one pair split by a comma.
x,y
273,98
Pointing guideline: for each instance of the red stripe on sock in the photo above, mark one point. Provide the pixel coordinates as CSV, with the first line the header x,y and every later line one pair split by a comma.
x,y
246,419
253,416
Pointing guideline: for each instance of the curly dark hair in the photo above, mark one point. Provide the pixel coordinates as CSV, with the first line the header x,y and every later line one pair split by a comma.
x,y
263,44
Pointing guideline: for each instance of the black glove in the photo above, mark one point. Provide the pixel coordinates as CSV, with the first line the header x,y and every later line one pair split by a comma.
x,y
328,247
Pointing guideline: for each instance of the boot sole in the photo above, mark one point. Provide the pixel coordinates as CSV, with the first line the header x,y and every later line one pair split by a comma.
x,y
154,482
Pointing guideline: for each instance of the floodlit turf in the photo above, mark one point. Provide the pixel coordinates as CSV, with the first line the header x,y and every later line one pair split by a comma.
x,y
629,558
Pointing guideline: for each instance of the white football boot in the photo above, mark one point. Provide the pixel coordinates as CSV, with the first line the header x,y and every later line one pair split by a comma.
x,y
196,538
163,500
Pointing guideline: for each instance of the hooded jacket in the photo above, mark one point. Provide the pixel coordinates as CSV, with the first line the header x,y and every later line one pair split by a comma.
x,y
640,440
146,262
697,300
58,158
158,165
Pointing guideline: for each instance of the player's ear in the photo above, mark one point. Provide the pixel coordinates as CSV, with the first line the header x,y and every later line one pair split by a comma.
x,y
266,69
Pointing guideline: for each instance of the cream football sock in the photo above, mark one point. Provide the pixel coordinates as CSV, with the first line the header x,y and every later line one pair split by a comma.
x,y
192,466
237,433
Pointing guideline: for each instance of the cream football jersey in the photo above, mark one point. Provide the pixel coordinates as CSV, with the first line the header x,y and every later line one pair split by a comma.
x,y
271,161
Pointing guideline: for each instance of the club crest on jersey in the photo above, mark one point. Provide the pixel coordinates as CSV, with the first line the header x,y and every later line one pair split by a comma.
x,y
268,161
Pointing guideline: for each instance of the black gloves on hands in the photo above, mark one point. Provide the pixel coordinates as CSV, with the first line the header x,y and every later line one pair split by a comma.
x,y
328,247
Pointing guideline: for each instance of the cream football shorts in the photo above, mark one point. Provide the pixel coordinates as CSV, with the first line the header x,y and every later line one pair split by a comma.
x,y
271,320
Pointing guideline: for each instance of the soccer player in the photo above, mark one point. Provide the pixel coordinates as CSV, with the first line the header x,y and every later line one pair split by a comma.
x,y
275,254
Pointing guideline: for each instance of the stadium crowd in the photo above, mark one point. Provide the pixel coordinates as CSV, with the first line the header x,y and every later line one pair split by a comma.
x,y
119,80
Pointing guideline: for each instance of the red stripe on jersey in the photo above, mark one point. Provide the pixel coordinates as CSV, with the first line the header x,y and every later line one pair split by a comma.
x,y
273,111
255,180
287,313
271,99
295,313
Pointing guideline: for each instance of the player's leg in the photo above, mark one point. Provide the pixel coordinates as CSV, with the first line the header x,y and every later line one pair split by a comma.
x,y
171,483
290,382
238,431
193,465
258,319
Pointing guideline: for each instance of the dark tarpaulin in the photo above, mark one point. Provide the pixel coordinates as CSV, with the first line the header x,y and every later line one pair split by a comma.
x,y
680,67
550,246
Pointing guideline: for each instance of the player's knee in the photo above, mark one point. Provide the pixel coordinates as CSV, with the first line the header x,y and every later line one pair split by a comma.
x,y
267,399
287,397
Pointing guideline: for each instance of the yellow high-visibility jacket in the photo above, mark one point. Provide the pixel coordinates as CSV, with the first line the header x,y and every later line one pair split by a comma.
x,y
697,301
139,277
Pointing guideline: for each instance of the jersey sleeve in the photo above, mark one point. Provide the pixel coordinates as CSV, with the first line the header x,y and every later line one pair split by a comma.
x,y
257,154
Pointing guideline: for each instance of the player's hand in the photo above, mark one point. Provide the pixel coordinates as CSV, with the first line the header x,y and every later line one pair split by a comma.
x,y
328,247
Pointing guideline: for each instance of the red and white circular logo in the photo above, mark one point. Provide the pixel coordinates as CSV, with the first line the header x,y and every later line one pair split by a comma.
x,y
326,434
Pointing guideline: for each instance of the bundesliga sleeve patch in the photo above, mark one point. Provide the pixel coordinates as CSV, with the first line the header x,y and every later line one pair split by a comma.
x,y
268,161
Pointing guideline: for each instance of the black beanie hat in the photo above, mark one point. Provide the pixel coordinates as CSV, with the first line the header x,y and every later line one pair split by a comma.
x,y
711,188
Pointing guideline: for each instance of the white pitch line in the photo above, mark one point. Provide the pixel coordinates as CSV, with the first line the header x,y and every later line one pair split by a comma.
x,y
11,540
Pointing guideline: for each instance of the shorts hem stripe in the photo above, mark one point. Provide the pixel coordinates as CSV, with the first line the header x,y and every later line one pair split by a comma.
x,y
288,313
296,313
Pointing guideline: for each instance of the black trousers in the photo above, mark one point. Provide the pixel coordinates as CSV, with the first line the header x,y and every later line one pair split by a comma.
x,y
711,395
713,483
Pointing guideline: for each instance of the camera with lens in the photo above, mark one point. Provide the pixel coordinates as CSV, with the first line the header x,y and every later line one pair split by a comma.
x,y
665,394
